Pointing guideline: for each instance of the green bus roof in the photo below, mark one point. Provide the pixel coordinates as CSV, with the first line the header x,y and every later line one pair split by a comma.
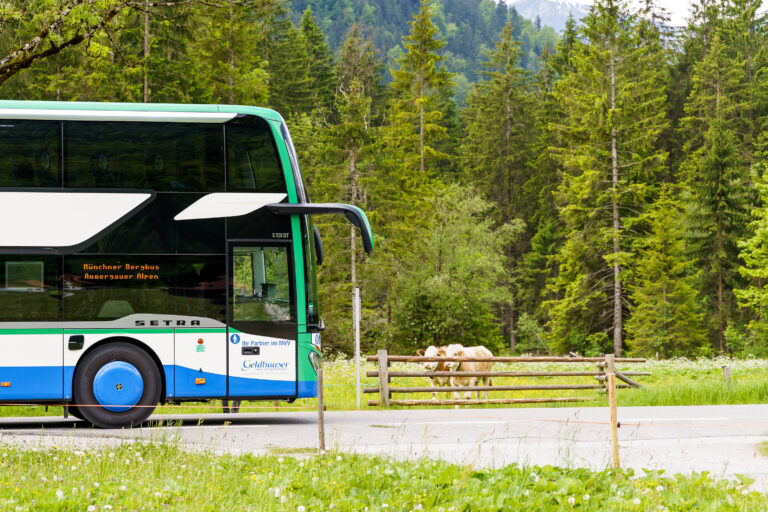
x,y
140,107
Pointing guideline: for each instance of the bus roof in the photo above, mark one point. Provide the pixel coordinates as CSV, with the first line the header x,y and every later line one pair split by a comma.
x,y
107,111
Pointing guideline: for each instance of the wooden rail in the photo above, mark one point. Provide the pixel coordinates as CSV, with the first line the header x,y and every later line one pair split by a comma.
x,y
385,390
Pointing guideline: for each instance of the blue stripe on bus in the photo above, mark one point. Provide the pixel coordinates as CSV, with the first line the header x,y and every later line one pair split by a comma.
x,y
307,388
240,386
215,384
31,382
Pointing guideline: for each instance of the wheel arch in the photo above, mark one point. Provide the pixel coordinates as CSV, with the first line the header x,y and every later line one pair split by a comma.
x,y
132,341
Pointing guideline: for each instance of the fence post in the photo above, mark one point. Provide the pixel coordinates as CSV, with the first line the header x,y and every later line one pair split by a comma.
x,y
727,375
320,410
610,373
383,378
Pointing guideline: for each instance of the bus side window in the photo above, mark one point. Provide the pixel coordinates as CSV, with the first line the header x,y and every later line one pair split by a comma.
x,y
29,288
261,285
252,160
31,153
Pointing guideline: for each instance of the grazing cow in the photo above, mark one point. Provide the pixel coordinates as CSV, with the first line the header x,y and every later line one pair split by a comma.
x,y
469,366
432,366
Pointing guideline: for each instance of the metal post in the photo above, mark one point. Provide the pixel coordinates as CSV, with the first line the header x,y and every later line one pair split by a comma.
x,y
320,410
356,319
610,370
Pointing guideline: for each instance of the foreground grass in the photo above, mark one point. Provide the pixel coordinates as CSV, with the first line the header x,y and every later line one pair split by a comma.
x,y
162,476
672,382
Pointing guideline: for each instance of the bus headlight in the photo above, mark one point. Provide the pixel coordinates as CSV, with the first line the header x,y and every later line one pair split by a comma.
x,y
315,359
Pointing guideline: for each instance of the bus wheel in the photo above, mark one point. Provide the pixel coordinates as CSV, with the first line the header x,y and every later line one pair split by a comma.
x,y
116,385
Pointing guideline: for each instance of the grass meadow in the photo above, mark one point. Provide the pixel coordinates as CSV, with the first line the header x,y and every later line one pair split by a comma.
x,y
672,382
162,476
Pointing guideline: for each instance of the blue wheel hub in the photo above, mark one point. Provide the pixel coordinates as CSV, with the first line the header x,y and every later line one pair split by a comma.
x,y
118,386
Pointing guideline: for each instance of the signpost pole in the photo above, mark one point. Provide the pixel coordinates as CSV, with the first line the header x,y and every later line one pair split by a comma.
x,y
356,319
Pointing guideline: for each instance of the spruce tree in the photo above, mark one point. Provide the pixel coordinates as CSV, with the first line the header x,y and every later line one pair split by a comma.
x,y
667,315
322,77
497,147
716,174
418,81
609,151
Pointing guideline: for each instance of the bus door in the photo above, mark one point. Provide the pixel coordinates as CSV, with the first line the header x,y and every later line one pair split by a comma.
x,y
262,327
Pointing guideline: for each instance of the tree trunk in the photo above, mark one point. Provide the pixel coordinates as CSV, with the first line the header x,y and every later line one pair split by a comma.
x,y
146,51
352,239
720,302
617,316
421,123
231,49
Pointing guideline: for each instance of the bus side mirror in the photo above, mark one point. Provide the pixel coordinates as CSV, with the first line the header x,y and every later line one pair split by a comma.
x,y
353,214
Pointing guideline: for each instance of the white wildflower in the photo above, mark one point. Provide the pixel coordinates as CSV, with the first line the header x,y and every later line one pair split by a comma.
x,y
300,508
636,501
59,494
91,508
277,492
122,487
571,500
586,497
158,495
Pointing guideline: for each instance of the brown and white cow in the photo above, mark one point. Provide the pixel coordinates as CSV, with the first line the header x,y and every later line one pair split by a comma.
x,y
469,366
435,366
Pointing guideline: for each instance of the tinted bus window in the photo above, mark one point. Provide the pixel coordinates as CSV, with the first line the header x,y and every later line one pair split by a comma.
x,y
31,155
29,288
252,160
170,157
112,287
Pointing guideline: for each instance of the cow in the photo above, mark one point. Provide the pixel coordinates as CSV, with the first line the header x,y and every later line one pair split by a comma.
x,y
469,366
432,366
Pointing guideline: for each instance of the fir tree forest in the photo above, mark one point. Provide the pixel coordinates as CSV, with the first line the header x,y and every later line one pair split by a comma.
x,y
600,190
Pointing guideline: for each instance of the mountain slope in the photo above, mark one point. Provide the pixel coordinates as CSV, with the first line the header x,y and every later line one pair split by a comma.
x,y
469,27
551,12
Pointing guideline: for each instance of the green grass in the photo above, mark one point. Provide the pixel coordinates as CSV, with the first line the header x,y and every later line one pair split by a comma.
x,y
672,382
162,476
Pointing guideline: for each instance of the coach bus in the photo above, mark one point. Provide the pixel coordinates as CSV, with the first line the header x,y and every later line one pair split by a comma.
x,y
155,253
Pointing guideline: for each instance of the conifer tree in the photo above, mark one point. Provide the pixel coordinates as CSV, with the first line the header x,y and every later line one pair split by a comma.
x,y
609,150
716,175
667,316
321,67
497,147
418,81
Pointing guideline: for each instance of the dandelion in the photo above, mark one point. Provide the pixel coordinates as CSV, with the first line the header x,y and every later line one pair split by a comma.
x,y
59,494
636,501
571,501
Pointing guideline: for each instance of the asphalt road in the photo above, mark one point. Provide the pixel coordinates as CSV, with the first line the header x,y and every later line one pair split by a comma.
x,y
723,440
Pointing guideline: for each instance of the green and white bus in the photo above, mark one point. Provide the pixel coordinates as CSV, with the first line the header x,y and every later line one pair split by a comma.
x,y
155,253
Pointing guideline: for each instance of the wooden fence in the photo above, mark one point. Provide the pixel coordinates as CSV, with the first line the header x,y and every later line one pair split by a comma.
x,y
605,366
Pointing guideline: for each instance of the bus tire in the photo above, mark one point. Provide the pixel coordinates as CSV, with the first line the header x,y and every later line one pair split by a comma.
x,y
116,385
